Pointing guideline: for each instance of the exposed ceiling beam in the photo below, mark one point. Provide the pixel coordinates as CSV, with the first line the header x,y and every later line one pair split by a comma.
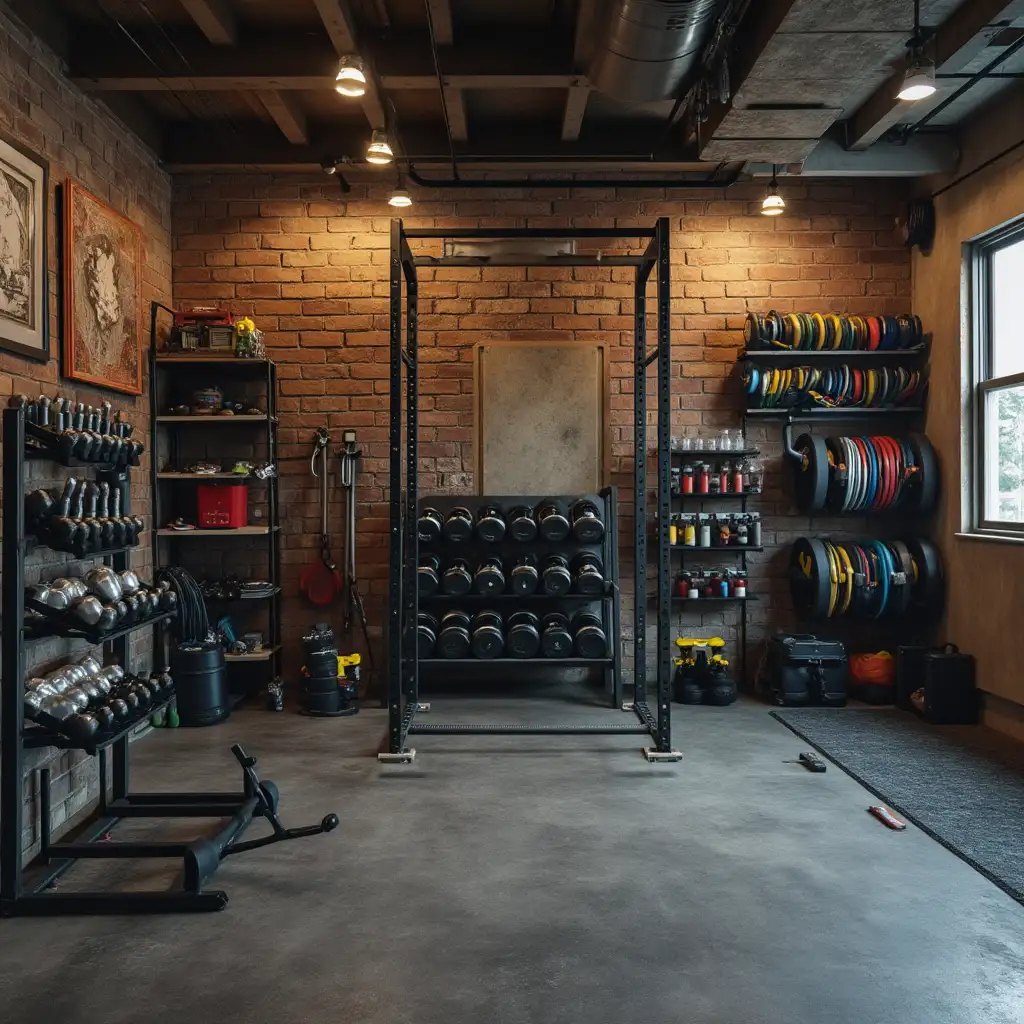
x,y
575,108
957,41
214,19
341,27
441,18
287,114
756,30
455,104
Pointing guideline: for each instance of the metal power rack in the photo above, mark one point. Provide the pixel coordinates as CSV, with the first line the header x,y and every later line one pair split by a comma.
x,y
403,666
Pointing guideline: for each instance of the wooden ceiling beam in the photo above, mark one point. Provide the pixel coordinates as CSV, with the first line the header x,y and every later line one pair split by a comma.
x,y
455,104
957,41
287,114
214,19
441,19
575,108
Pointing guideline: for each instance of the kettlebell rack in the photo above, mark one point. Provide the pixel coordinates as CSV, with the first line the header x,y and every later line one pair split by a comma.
x,y
28,890
403,604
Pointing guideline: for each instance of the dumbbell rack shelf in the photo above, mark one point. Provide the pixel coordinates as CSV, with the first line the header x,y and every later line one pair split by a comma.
x,y
653,262
29,889
167,370
72,631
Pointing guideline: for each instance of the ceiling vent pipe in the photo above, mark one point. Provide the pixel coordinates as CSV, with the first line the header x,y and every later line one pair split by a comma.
x,y
645,49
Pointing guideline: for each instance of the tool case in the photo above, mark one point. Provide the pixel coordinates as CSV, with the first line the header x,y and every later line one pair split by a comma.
x,y
947,678
806,670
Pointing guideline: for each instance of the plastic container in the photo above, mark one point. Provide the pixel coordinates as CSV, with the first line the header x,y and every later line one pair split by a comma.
x,y
222,506
201,684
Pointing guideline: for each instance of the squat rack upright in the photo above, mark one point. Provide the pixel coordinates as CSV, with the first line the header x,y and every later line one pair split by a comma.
x,y
403,667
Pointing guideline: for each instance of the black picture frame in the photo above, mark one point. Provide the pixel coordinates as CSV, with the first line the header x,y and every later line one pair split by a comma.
x,y
41,353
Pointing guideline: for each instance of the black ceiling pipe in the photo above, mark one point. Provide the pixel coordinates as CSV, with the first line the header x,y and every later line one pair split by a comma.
x,y
708,183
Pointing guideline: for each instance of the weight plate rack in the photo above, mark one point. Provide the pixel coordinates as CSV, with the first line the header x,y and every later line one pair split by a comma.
x,y
30,890
403,599
475,551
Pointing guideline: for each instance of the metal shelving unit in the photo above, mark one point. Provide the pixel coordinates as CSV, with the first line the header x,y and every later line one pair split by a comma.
x,y
403,606
263,371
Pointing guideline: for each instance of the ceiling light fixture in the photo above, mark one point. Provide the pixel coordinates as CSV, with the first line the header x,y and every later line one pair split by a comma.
x,y
919,81
773,204
379,150
351,80
400,197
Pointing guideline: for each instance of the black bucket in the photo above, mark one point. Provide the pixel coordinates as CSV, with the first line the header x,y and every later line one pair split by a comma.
x,y
201,684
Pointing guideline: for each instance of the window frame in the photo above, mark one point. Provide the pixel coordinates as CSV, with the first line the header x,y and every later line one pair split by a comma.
x,y
983,384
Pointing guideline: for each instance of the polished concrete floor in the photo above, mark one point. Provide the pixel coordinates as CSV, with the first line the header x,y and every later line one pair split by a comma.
x,y
539,880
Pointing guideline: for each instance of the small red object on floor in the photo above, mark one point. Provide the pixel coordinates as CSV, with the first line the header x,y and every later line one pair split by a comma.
x,y
886,817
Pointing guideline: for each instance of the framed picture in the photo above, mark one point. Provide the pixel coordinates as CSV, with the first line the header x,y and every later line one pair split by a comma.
x,y
102,293
24,192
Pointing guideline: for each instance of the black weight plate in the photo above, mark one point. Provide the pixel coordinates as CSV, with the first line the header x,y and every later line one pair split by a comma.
x,y
809,577
811,477
838,474
929,586
905,563
927,474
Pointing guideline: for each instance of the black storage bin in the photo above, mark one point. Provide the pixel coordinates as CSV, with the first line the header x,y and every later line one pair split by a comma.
x,y
805,670
950,697
909,673
201,684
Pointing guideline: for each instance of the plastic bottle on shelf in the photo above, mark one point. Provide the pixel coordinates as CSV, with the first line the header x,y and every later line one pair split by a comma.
x,y
704,540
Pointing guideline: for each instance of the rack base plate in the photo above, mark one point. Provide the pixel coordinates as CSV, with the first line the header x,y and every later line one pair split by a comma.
x,y
405,757
662,755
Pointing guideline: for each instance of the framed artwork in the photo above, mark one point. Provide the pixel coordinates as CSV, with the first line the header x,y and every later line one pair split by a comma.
x,y
24,192
102,293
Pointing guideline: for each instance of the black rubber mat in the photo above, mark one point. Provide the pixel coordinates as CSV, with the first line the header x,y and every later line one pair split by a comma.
x,y
962,785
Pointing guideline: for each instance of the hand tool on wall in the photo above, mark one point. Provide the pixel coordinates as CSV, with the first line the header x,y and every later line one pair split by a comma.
x,y
321,581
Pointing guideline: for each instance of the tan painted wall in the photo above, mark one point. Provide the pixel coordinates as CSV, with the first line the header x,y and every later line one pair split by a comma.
x,y
985,578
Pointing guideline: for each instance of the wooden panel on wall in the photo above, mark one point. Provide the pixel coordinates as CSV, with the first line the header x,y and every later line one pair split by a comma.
x,y
541,417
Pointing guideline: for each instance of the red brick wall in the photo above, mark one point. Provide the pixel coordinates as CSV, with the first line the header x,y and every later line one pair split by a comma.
x,y
311,266
80,139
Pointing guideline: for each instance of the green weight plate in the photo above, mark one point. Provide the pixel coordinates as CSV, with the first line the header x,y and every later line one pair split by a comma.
x,y
927,475
810,479
809,578
929,586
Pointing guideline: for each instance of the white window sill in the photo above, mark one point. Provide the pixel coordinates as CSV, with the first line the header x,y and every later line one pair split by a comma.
x,y
994,538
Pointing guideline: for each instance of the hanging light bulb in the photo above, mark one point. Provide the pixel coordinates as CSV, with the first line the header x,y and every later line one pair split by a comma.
x,y
379,150
773,204
351,80
400,197
919,81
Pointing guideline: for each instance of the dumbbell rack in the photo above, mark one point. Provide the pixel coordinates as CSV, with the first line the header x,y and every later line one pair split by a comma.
x,y
27,890
475,550
403,605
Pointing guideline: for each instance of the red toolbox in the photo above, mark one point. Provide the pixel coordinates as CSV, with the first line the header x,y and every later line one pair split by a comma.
x,y
222,505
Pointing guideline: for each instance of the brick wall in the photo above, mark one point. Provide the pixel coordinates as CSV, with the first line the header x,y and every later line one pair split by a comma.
x,y
311,267
79,138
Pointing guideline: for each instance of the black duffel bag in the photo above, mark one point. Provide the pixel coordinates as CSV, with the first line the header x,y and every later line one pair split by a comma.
x,y
805,670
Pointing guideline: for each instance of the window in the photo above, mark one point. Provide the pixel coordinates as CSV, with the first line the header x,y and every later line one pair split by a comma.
x,y
998,267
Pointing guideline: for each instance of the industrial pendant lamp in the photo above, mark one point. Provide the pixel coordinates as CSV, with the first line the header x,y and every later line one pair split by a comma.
x,y
773,204
400,197
351,80
379,150
919,81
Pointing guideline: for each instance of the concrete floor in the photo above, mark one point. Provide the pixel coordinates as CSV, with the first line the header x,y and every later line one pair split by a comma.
x,y
570,883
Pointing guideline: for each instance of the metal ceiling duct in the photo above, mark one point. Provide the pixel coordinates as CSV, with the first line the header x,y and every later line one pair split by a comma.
x,y
646,48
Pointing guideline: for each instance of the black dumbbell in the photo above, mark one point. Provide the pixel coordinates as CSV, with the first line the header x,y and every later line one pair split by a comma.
x,y
522,636
522,524
458,527
589,638
428,575
458,578
552,520
488,635
453,640
490,524
555,638
588,573
426,634
490,576
555,576
525,575
587,525
429,526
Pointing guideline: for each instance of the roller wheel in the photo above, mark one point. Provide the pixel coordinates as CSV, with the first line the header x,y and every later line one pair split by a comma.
x,y
811,477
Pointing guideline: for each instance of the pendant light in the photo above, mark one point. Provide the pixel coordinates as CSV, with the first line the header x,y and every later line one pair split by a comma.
x,y
400,197
773,204
351,80
919,81
379,150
